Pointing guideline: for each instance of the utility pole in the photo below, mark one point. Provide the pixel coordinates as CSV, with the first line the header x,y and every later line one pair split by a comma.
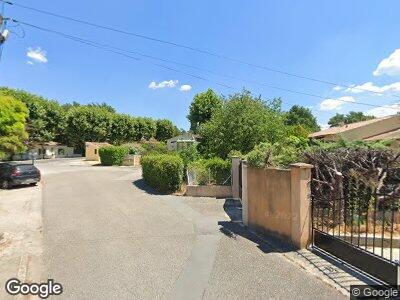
x,y
4,33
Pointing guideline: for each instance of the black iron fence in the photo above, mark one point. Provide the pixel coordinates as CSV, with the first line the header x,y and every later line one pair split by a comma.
x,y
360,225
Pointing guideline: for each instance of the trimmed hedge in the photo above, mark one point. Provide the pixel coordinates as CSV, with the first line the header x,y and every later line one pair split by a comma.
x,y
113,155
220,170
211,171
164,172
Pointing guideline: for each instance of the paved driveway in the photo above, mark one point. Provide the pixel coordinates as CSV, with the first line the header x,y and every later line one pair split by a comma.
x,y
106,236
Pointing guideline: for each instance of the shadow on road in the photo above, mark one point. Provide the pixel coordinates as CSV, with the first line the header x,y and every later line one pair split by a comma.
x,y
340,273
234,228
19,187
142,185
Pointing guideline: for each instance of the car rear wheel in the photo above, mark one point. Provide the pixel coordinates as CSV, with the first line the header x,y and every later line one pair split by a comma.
x,y
5,185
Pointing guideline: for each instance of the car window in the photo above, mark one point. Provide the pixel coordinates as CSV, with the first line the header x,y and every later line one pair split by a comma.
x,y
26,168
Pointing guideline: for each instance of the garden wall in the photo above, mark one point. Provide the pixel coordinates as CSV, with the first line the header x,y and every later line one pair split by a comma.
x,y
132,160
277,202
217,191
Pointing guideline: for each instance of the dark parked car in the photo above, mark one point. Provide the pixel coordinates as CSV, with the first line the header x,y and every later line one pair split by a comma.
x,y
13,174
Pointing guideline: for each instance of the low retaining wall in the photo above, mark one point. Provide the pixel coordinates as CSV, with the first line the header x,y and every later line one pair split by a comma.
x,y
217,191
132,160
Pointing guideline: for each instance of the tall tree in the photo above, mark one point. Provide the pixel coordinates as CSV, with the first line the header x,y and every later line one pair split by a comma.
x,y
13,115
123,129
301,116
46,120
145,128
102,105
85,124
165,130
202,108
243,122
351,117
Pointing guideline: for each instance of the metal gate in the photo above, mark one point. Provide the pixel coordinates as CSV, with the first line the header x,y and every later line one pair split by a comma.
x,y
361,227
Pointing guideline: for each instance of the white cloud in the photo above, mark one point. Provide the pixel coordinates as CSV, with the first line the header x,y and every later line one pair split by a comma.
x,y
29,62
324,126
164,84
185,88
390,65
331,104
338,88
383,111
37,55
370,87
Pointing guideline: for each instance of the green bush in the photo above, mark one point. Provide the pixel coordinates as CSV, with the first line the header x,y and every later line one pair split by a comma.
x,y
220,170
189,154
200,172
259,156
279,154
164,172
153,148
211,171
113,155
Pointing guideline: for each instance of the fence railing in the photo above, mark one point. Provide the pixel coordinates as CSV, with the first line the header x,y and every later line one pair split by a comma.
x,y
364,219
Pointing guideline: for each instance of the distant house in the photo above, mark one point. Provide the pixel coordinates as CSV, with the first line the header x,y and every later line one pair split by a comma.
x,y
181,141
92,150
386,128
46,150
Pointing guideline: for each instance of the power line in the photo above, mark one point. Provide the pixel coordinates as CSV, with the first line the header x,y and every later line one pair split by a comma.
x,y
123,52
105,48
195,49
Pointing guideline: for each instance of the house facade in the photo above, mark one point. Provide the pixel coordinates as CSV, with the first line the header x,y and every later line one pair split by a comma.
x,y
92,150
46,150
181,141
386,128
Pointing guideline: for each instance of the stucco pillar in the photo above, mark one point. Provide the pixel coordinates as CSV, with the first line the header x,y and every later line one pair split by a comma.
x,y
300,204
245,214
235,177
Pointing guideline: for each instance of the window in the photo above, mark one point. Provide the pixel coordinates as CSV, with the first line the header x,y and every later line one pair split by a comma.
x,y
95,151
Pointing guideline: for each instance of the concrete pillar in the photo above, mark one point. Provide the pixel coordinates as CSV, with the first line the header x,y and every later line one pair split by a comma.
x,y
300,204
235,177
136,160
245,216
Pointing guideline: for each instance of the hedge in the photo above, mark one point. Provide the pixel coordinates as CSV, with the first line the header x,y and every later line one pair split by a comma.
x,y
164,172
113,155
211,171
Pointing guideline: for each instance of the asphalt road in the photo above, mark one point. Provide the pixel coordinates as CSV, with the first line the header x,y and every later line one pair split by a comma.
x,y
106,236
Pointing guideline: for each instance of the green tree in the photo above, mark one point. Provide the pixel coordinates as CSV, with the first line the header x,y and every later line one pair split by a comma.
x,y
86,123
241,123
165,130
145,129
46,120
123,129
351,117
337,120
302,116
13,115
103,105
202,108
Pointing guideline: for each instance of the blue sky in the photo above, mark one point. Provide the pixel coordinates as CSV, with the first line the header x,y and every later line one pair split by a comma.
x,y
349,42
